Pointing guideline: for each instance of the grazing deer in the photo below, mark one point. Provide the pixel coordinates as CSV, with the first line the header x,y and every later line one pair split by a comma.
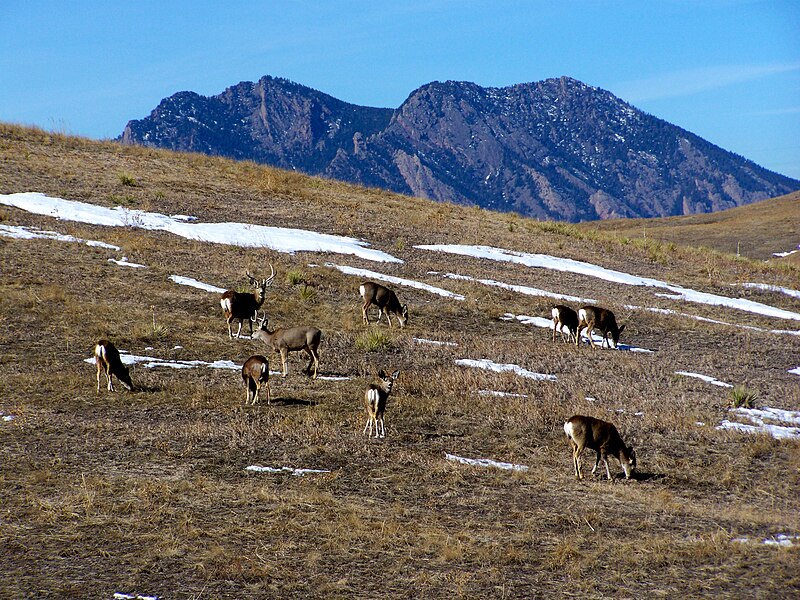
x,y
386,301
375,399
593,317
292,339
564,316
238,306
106,358
255,373
603,438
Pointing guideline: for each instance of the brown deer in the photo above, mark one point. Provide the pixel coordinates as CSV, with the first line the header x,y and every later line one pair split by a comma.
x,y
292,339
602,319
375,399
386,301
255,373
564,316
107,360
603,438
238,306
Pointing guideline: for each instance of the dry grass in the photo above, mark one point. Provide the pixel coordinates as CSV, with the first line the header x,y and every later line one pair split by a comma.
x,y
147,492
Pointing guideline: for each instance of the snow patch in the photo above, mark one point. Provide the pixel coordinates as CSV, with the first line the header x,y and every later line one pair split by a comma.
x,y
759,417
522,289
489,365
280,239
433,342
123,262
290,470
706,378
197,284
569,265
21,232
367,274
485,462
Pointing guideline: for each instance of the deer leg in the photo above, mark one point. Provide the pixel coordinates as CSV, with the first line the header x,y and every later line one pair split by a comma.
x,y
364,316
284,357
269,393
258,388
98,375
240,329
368,425
590,332
108,376
383,427
576,460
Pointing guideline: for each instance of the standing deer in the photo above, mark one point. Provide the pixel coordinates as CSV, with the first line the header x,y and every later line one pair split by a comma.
x,y
255,373
106,358
603,438
386,301
593,317
292,339
564,316
238,306
375,399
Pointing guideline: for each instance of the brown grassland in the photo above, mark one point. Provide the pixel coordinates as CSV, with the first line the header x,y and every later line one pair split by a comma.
x,y
147,492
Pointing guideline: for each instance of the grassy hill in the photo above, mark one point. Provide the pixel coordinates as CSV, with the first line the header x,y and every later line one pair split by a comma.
x,y
148,493
755,230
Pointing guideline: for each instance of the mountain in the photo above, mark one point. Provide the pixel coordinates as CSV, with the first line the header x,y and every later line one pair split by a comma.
x,y
554,149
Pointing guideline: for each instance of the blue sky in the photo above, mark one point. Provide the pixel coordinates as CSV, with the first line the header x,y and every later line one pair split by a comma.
x,y
727,70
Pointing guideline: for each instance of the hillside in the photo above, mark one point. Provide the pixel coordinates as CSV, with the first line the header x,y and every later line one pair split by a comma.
x,y
149,492
757,230
554,149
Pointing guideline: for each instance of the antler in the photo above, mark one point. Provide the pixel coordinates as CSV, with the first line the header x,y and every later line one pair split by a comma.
x,y
261,320
268,280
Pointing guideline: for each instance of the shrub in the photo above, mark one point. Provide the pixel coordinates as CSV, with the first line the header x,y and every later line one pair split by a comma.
x,y
126,178
742,397
374,340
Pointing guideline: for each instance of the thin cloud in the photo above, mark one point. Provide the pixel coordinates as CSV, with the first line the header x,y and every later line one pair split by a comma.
x,y
693,81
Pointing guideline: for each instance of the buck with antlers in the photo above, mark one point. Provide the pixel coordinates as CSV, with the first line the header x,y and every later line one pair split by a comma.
x,y
602,437
107,360
375,399
386,301
238,306
255,373
292,339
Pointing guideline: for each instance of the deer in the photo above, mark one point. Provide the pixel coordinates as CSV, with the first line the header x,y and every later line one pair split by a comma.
x,y
386,301
564,316
603,319
107,360
602,437
292,339
375,398
255,373
238,306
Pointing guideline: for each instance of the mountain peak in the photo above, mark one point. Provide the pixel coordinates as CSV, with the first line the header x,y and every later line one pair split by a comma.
x,y
554,149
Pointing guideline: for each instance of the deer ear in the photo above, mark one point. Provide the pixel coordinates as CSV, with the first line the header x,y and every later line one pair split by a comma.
x,y
381,374
396,374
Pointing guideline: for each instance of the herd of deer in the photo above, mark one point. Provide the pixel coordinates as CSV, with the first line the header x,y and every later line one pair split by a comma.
x,y
582,431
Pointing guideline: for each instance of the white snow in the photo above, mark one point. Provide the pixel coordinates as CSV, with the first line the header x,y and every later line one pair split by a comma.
x,y
121,596
433,342
569,265
367,274
485,462
245,235
150,362
522,289
501,394
123,262
759,416
548,324
786,541
667,311
795,371
773,288
489,365
180,280
21,232
295,472
706,378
